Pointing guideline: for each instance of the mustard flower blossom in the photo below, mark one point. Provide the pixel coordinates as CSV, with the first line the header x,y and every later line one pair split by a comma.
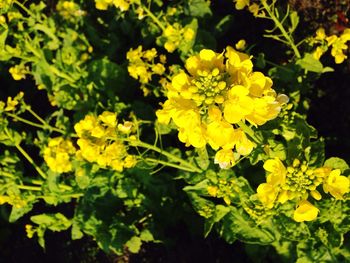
x,y
58,154
297,182
209,100
99,141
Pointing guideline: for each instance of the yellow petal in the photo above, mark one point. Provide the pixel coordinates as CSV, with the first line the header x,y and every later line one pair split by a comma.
x,y
305,212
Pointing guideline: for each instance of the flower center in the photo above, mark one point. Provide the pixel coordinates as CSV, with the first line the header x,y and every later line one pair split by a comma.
x,y
208,86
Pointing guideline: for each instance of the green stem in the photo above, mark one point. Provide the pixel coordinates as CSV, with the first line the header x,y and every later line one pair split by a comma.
x,y
154,18
30,188
24,8
29,109
248,131
32,181
77,195
30,160
6,174
26,155
281,28
169,164
184,164
44,127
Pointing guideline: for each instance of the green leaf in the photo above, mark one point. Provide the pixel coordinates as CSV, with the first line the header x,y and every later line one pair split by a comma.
x,y
54,222
203,158
219,213
237,225
134,244
336,163
308,62
294,20
18,212
146,236
199,8
202,206
186,45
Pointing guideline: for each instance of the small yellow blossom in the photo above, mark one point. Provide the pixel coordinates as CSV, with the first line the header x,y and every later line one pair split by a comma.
x,y
240,4
212,190
240,45
103,4
337,185
18,72
305,212
225,159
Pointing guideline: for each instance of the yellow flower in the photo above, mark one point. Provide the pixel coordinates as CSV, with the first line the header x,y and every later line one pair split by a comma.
x,y
130,161
238,105
305,212
243,145
320,34
225,159
267,194
318,52
212,190
240,45
122,4
103,4
108,118
277,171
58,154
215,93
240,4
337,185
254,9
18,72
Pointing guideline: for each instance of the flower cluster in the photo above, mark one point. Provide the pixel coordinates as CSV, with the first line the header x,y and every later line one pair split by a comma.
x,y
297,182
143,65
338,44
173,35
99,141
69,10
212,100
58,155
123,5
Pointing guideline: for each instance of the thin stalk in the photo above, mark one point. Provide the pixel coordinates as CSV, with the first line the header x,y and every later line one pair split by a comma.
x,y
168,155
63,196
30,188
29,109
154,18
6,174
34,124
30,160
26,155
281,28
169,164
24,8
